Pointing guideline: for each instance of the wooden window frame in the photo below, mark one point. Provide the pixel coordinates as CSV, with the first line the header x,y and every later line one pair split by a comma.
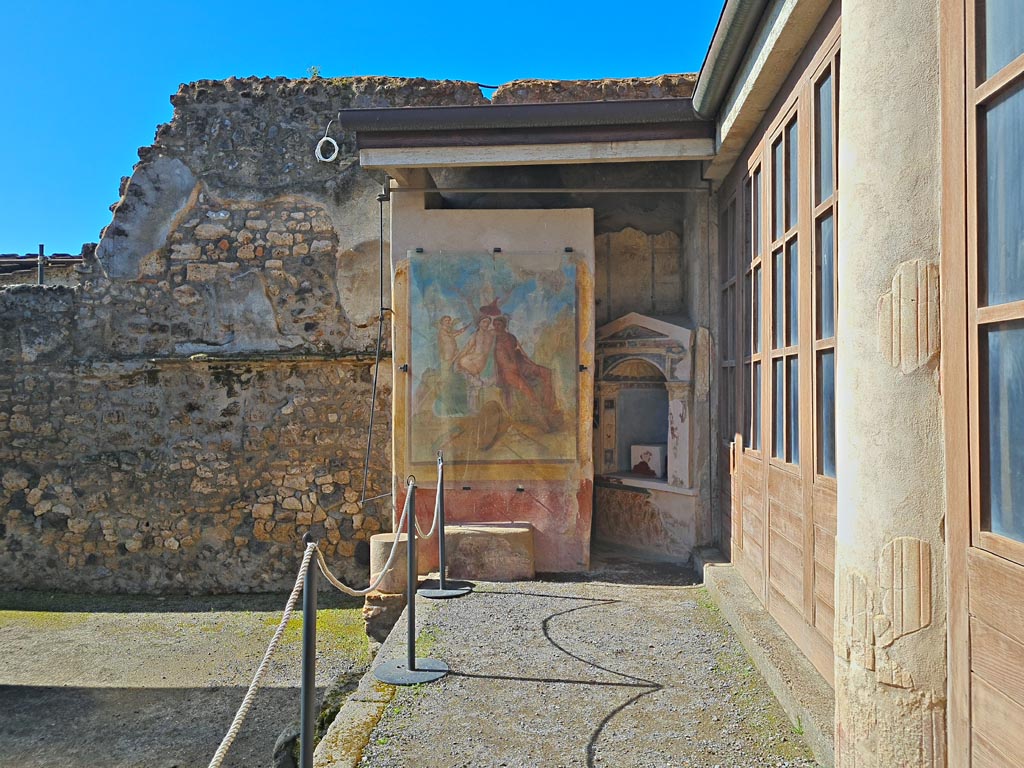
x,y
728,282
980,93
751,187
829,206
770,482
800,106
961,95
779,242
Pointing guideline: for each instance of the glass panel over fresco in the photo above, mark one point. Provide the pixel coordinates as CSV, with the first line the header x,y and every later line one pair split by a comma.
x,y
494,358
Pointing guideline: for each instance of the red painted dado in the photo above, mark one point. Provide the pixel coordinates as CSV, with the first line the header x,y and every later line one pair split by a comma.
x,y
561,519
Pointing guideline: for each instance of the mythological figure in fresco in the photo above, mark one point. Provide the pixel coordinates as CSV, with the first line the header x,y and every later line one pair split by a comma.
x,y
473,358
517,373
447,339
480,391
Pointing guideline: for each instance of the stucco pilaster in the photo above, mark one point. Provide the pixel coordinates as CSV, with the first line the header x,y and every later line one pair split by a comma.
x,y
890,630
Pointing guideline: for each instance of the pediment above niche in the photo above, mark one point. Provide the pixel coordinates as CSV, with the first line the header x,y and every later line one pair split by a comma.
x,y
635,332
637,327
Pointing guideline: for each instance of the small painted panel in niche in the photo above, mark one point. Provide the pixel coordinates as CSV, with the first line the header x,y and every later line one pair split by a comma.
x,y
494,358
648,460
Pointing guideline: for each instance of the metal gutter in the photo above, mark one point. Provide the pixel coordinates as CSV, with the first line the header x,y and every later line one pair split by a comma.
x,y
565,114
553,190
736,27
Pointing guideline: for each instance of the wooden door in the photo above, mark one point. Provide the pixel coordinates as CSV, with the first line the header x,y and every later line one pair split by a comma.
x,y
783,462
984,290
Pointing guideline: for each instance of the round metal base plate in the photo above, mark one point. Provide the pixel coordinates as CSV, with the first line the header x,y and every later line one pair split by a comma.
x,y
444,594
435,584
397,673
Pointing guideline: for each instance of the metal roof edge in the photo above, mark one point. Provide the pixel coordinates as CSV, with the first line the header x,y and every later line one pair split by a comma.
x,y
577,113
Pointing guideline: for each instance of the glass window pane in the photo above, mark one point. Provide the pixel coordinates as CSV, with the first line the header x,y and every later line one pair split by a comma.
x,y
730,256
792,174
827,413
1002,272
778,398
823,139
1003,428
1004,34
756,211
778,189
748,252
748,311
726,349
732,399
724,245
778,299
793,410
747,425
755,408
836,97
730,323
826,275
792,292
757,309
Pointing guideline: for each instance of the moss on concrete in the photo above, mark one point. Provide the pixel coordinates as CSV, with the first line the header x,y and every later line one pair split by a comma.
x,y
764,723
343,626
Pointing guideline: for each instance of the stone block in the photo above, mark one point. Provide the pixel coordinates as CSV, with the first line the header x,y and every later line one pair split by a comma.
x,y
211,231
490,551
201,273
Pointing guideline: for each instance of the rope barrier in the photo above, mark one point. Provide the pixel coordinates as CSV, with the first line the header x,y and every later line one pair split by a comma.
x,y
437,502
300,580
250,694
338,584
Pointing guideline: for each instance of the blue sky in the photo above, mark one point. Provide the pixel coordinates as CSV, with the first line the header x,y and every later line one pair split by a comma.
x,y
84,84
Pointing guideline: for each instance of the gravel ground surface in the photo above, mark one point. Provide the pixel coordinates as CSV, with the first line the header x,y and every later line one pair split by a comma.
x,y
631,666
145,682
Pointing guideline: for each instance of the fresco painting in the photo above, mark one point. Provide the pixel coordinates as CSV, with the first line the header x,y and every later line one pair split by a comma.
x,y
494,358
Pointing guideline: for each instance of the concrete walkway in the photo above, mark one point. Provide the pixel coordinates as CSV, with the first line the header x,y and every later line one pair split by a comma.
x,y
630,666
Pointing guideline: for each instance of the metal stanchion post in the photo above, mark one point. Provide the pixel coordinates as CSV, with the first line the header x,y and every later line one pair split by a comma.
x,y
444,589
412,670
307,710
412,580
442,560
41,265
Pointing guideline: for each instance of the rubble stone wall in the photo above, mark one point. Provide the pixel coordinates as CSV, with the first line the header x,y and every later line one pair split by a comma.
x,y
180,418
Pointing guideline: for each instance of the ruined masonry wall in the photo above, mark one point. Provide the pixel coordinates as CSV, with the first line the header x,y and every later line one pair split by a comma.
x,y
200,400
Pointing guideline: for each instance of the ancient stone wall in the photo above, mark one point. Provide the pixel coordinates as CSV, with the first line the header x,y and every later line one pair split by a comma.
x,y
200,400
610,89
57,273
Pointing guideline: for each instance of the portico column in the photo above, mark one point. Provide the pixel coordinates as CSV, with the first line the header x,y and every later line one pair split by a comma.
x,y
890,632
